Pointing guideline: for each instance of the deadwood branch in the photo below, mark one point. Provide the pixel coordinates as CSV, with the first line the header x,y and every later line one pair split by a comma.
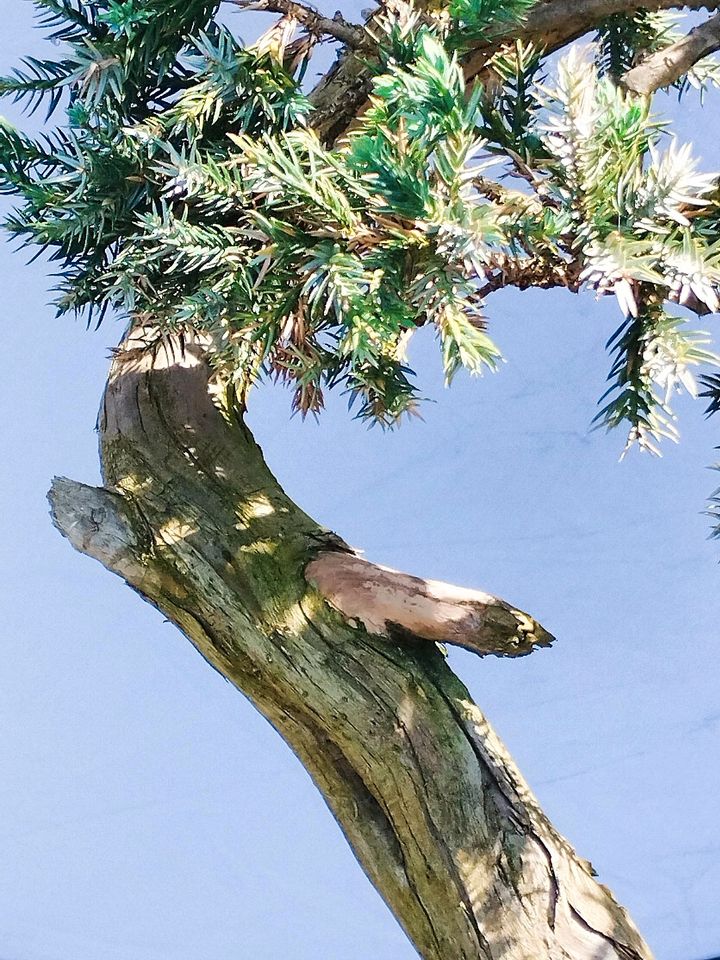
x,y
668,65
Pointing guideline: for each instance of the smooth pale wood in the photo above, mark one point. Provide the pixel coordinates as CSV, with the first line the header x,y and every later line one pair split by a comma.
x,y
434,808
669,64
386,601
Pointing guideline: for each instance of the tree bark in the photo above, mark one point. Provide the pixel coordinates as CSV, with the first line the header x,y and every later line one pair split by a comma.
x,y
666,66
342,660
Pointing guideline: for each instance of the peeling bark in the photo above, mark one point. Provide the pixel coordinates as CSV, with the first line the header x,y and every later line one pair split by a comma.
x,y
432,805
385,601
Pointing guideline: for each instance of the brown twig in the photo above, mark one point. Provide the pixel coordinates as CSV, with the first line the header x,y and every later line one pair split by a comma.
x,y
353,35
535,272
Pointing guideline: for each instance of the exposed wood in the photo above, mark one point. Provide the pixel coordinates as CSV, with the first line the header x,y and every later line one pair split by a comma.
x,y
668,65
385,601
429,799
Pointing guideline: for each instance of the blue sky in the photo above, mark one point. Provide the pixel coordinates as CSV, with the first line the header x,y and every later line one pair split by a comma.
x,y
146,811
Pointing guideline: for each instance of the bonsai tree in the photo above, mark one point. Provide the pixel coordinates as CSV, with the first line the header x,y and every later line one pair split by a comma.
x,y
248,227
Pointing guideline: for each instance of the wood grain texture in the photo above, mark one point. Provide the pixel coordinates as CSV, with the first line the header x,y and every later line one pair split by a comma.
x,y
386,601
431,803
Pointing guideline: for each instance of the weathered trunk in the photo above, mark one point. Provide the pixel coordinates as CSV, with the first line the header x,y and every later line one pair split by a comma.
x,y
430,801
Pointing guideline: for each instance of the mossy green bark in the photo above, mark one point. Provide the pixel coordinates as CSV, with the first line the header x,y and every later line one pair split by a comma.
x,y
434,808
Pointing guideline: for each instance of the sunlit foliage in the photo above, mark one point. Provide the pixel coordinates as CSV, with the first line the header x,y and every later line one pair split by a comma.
x,y
187,186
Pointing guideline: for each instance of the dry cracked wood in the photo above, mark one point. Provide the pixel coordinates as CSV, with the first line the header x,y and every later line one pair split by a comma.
x,y
433,806
339,654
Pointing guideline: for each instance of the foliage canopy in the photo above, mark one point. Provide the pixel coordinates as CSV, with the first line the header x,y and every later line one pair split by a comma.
x,y
187,185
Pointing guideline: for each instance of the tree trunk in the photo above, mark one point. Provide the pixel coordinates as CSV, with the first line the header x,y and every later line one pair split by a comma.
x,y
340,657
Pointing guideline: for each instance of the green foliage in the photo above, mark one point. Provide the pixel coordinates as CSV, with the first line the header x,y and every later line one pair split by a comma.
x,y
625,38
187,185
473,20
652,356
632,208
510,106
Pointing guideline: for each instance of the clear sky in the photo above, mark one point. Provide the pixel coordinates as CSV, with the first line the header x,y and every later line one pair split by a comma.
x,y
147,812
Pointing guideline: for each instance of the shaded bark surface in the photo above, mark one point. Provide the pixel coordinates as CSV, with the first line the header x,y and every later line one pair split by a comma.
x,y
434,808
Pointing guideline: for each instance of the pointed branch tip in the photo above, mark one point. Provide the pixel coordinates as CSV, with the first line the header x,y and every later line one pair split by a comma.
x,y
384,600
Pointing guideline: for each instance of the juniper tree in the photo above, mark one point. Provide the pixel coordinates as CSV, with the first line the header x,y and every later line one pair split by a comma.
x,y
248,227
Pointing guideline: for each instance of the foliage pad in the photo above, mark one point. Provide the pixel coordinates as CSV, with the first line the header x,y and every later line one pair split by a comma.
x,y
187,187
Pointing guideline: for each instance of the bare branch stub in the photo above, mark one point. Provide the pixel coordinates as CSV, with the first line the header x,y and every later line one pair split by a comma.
x,y
386,600
101,524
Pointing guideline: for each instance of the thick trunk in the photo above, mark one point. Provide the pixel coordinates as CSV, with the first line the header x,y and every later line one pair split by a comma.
x,y
430,801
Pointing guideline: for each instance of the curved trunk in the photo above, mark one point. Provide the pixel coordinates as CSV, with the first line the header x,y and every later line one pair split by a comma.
x,y
430,801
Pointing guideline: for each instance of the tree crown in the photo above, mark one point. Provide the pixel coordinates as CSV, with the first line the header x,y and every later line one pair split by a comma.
x,y
189,185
